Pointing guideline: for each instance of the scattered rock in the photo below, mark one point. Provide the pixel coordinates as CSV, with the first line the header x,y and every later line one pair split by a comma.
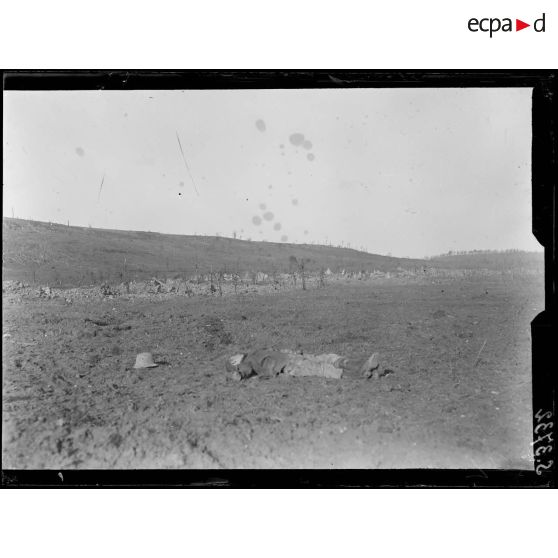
x,y
106,290
12,286
384,429
97,322
45,292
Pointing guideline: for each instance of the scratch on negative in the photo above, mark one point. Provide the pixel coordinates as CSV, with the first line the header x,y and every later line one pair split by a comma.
x,y
101,187
186,164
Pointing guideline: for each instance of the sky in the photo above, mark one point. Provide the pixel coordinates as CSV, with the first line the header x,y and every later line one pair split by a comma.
x,y
406,172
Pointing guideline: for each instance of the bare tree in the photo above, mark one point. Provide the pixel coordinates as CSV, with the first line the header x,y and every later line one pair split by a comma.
x,y
212,288
274,274
321,278
301,270
235,280
220,278
293,265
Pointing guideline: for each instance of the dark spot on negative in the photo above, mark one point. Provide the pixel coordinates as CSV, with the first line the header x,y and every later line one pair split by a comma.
x,y
296,138
80,151
268,216
260,125
256,220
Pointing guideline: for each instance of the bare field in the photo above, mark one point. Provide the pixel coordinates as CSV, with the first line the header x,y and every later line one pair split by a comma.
x,y
71,398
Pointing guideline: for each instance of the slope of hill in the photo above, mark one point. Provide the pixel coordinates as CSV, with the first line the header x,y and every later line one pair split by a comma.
x,y
54,253
34,251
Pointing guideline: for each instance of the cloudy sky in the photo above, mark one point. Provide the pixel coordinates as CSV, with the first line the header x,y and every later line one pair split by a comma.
x,y
411,172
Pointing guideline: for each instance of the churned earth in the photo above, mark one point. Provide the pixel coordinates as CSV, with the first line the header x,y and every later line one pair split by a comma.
x,y
457,392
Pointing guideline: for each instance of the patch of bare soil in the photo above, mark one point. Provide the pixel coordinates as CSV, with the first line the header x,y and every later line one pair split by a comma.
x,y
459,394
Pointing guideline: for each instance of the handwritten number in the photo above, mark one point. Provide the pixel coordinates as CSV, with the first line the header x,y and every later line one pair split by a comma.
x,y
541,438
546,449
546,415
545,425
541,451
543,466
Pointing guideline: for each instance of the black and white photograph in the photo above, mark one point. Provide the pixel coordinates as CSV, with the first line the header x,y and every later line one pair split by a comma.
x,y
265,278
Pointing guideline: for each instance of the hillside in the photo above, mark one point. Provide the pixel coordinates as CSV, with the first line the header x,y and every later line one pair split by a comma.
x,y
34,251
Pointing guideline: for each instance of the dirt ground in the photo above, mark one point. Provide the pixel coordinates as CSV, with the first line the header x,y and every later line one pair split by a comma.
x,y
71,398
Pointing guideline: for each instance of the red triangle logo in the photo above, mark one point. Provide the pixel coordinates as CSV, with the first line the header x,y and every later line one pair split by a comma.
x,y
519,25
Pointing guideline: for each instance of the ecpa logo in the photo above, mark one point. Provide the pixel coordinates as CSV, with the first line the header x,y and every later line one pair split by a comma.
x,y
492,25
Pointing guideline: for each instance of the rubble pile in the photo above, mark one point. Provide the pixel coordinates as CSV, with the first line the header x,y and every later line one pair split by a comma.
x,y
221,284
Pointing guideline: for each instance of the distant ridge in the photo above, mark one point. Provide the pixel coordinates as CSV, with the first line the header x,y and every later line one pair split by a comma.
x,y
36,251
491,259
